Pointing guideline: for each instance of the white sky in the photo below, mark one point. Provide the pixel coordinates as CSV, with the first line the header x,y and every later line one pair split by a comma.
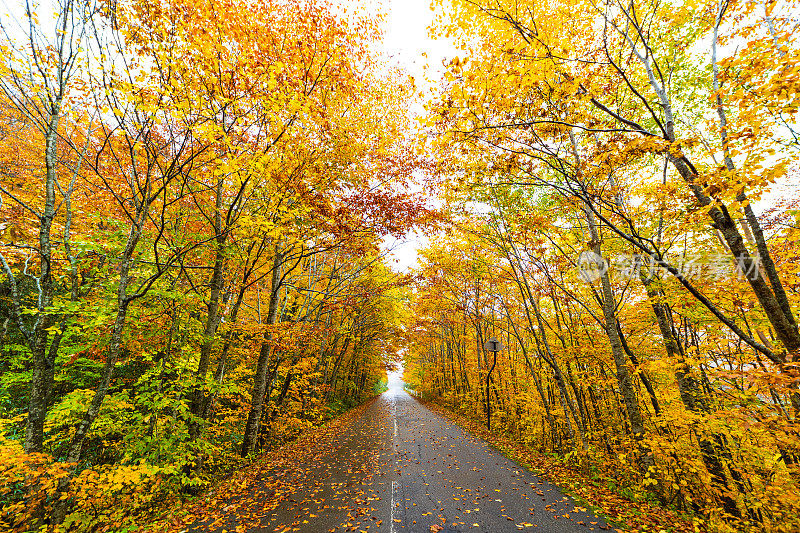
x,y
407,42
408,46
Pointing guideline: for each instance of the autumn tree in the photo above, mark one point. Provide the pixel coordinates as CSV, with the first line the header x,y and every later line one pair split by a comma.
x,y
629,146
230,169
40,82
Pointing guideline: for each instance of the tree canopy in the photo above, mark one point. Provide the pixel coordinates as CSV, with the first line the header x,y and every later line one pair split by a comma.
x,y
194,197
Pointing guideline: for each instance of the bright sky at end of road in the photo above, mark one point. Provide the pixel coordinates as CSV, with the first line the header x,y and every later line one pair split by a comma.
x,y
407,45
407,42
402,253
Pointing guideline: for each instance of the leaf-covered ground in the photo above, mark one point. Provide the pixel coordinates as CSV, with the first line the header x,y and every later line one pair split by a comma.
x,y
299,486
626,514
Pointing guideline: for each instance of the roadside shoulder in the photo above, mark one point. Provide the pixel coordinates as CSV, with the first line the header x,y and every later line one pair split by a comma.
x,y
256,474
624,514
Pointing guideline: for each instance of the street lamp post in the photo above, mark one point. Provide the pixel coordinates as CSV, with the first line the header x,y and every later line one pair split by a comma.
x,y
491,345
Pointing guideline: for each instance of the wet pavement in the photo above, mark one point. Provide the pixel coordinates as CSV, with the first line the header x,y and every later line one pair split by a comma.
x,y
399,467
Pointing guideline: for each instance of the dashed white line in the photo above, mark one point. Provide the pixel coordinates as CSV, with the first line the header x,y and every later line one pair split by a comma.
x,y
391,515
394,449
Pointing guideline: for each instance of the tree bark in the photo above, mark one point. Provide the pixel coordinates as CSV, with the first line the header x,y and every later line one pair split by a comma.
x,y
623,375
645,380
43,375
198,395
114,349
260,380
691,395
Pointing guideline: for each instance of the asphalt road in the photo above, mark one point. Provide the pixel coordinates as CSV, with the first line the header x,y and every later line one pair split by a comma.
x,y
399,467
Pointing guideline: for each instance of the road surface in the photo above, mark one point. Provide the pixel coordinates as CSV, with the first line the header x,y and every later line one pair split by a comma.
x,y
399,467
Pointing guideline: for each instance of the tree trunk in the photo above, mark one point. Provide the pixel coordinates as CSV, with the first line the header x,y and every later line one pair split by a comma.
x,y
692,397
198,395
785,330
624,381
267,439
43,365
645,380
260,380
550,359
114,348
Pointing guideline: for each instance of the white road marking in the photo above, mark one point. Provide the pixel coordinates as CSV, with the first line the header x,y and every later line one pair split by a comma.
x,y
391,516
394,483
